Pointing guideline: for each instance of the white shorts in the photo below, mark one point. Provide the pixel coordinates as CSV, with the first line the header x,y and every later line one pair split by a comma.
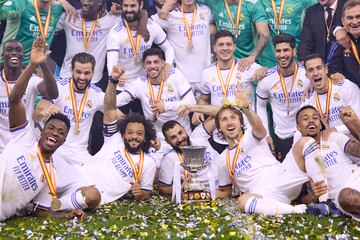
x,y
282,183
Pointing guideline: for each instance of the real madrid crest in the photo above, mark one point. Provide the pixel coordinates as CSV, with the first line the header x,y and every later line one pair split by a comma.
x,y
324,146
202,16
89,104
336,97
67,98
170,88
300,83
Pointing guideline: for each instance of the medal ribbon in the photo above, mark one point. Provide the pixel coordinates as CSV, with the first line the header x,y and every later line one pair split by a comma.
x,y
137,173
228,78
186,172
134,47
77,114
355,51
318,105
86,40
237,152
8,88
151,90
238,15
43,29
328,27
278,16
50,178
283,85
187,26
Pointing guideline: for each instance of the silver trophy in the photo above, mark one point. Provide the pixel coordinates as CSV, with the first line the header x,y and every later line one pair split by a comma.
x,y
193,162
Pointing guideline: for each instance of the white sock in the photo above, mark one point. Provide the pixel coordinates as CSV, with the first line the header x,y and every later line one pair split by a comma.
x,y
74,200
267,206
314,164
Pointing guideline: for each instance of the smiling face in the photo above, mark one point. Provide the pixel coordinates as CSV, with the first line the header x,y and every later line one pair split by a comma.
x,y
224,48
351,20
153,65
131,10
317,71
177,137
230,125
284,55
13,54
82,75
309,123
134,137
53,136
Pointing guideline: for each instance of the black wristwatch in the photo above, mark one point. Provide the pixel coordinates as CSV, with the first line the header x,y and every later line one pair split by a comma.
x,y
113,80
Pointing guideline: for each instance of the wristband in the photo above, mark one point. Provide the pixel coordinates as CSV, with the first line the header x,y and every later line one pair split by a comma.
x,y
113,80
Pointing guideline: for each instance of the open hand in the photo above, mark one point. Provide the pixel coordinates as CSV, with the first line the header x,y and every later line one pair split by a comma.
x,y
39,51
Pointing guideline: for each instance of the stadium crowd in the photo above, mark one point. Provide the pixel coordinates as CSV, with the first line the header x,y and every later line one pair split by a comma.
x,y
98,98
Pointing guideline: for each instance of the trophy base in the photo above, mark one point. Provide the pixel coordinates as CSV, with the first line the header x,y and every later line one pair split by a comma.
x,y
195,196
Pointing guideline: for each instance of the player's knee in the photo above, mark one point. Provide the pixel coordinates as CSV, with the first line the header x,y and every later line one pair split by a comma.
x,y
92,196
349,200
242,201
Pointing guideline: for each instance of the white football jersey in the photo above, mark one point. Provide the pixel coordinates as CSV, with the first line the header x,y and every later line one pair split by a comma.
x,y
21,176
199,137
345,93
254,161
210,83
28,100
189,61
174,90
270,88
118,41
111,172
75,42
77,142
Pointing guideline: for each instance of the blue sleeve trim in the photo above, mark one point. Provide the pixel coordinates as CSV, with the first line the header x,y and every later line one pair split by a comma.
x,y
186,93
345,146
261,97
132,96
162,42
225,186
112,50
146,190
110,129
15,129
203,125
169,185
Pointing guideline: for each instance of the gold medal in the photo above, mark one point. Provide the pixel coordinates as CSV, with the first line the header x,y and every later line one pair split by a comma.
x,y
188,28
136,60
190,45
77,128
55,204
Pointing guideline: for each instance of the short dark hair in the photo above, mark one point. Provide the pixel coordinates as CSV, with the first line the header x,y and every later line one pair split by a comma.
x,y
61,117
154,51
122,1
150,132
223,33
304,108
169,125
12,41
235,110
83,58
349,4
313,56
284,38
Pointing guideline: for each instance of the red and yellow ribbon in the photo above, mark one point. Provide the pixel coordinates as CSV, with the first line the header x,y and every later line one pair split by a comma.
x,y
225,86
278,15
137,172
283,85
151,90
355,51
134,47
328,27
318,105
181,158
187,26
86,40
238,16
77,114
8,88
49,176
235,158
43,29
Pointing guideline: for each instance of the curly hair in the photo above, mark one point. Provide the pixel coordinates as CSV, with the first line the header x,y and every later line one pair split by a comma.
x,y
150,132
61,117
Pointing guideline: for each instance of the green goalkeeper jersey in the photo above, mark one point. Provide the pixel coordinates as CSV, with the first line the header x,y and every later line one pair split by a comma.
x,y
251,13
291,23
22,25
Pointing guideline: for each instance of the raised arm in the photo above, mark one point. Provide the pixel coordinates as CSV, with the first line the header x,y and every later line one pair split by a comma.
x,y
17,114
110,109
48,87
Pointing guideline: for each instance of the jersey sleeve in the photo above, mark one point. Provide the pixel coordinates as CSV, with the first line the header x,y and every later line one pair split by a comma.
x,y
148,174
249,141
262,90
166,174
341,139
203,84
164,24
12,9
22,134
352,93
60,24
160,35
224,176
181,83
113,47
199,137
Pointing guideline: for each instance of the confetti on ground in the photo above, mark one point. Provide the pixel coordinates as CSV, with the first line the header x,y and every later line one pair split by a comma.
x,y
157,218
